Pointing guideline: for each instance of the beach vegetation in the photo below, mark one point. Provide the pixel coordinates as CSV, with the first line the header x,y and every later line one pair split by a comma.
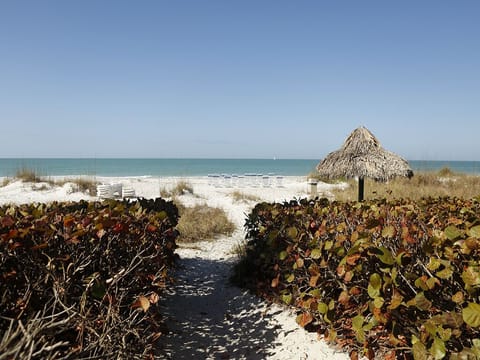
x,y
182,187
423,184
81,184
84,279
26,174
203,222
393,279
239,196
5,181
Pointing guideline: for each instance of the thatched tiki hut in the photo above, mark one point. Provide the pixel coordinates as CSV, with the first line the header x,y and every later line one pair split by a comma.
x,y
362,156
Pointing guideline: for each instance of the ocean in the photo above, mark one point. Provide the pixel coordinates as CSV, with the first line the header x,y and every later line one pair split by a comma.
x,y
193,167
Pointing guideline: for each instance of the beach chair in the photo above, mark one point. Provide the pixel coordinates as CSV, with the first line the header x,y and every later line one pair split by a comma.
x,y
279,181
104,191
128,192
116,189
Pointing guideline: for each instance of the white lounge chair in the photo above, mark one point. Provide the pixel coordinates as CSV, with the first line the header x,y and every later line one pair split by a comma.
x,y
104,191
128,192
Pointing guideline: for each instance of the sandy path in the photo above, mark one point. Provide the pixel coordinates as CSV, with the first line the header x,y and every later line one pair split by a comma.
x,y
209,318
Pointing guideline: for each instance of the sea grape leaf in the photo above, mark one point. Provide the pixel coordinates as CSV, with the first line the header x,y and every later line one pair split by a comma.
x,y
357,326
458,297
474,232
452,232
316,253
420,351
445,273
471,314
98,290
316,293
388,231
313,280
378,302
292,232
322,308
385,255
304,319
433,264
290,278
141,302
438,349
374,285
471,276
420,301
287,298
275,281
396,301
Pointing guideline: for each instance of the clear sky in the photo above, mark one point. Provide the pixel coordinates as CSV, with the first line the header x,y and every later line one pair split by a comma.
x,y
239,78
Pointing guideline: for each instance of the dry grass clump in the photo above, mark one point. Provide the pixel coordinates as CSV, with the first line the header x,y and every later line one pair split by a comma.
x,y
202,222
423,184
5,182
181,188
242,197
28,175
85,185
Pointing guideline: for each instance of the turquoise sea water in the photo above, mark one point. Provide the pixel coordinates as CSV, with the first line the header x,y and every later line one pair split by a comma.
x,y
194,167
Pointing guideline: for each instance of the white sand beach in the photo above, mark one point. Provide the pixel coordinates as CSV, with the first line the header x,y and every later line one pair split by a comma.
x,y
208,318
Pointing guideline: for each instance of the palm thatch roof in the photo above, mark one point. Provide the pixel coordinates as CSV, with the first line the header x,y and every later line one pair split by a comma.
x,y
362,156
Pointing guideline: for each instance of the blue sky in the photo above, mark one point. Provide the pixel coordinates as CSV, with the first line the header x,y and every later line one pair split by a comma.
x,y
238,79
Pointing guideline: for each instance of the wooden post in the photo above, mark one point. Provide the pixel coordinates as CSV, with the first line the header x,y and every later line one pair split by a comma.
x,y
360,188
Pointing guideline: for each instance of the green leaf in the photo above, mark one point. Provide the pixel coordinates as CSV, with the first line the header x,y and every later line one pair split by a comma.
x,y
322,308
471,276
471,314
438,349
445,273
316,254
420,351
385,256
474,232
420,301
292,232
374,285
290,278
357,322
452,233
98,289
357,326
287,299
388,231
378,302
283,255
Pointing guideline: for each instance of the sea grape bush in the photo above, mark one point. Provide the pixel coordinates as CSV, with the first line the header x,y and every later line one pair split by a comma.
x,y
81,280
400,278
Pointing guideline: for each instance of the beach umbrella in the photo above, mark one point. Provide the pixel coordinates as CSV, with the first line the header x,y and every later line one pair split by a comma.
x,y
362,156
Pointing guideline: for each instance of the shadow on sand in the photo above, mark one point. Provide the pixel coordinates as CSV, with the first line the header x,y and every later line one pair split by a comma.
x,y
208,318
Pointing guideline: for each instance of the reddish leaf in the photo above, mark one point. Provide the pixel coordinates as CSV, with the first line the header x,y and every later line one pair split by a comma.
x,y
313,280
142,302
304,319
7,221
352,259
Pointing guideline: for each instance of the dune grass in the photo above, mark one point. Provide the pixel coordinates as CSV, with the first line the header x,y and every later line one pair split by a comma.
x,y
423,184
181,188
239,196
202,222
85,185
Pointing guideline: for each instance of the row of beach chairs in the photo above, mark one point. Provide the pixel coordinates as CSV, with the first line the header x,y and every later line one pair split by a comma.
x,y
114,191
246,180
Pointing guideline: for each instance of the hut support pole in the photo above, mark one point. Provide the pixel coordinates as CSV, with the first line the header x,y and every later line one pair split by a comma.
x,y
360,188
